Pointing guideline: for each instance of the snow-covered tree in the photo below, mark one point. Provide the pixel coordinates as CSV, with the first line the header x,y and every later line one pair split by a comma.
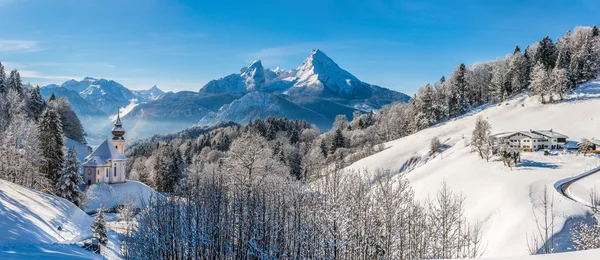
x,y
560,82
518,71
71,126
35,103
51,145
339,141
70,179
424,109
481,141
99,226
3,81
458,101
585,145
540,82
546,53
501,80
14,81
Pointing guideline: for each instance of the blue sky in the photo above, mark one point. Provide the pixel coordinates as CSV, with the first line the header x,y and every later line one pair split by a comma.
x,y
181,45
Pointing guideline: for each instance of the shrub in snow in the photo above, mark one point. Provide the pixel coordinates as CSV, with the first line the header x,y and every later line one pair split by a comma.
x,y
435,145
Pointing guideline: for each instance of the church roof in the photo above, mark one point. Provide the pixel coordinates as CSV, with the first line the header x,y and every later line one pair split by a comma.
x,y
101,155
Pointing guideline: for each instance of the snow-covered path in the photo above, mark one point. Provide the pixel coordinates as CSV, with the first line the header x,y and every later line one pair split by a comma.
x,y
562,186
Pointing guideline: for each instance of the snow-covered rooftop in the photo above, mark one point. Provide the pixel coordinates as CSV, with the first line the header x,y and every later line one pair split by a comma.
x,y
550,133
536,134
101,155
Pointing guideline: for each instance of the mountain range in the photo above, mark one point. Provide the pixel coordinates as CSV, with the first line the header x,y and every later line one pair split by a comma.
x,y
316,91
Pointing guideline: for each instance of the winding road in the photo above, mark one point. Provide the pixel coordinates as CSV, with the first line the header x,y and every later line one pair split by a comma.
x,y
562,186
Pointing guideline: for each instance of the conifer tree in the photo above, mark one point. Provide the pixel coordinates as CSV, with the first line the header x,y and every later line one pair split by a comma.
x,y
14,81
338,141
323,147
99,227
51,146
3,83
36,103
546,53
458,87
518,71
70,179
294,136
52,97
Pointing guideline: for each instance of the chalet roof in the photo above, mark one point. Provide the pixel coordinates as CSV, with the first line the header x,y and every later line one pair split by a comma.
x,y
527,133
550,133
595,141
535,134
102,154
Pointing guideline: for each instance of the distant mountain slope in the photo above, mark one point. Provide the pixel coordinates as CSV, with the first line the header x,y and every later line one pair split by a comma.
x,y
106,95
174,112
262,105
153,93
82,107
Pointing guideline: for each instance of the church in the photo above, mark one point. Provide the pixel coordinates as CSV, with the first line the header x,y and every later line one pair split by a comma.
x,y
107,162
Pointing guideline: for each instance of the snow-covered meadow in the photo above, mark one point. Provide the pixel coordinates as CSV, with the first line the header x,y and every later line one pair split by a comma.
x,y
499,198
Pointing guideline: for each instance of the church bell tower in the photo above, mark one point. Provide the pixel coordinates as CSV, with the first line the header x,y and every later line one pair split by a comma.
x,y
118,131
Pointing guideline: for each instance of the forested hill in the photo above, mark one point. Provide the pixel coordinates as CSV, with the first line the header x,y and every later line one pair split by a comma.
x,y
32,137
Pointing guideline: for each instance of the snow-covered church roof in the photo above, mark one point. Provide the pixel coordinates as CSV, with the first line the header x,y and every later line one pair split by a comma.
x,y
101,155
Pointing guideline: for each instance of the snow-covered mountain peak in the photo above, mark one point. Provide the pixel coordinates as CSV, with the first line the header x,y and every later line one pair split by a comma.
x,y
90,79
320,75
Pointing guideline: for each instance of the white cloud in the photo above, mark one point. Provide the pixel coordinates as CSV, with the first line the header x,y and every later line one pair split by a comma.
x,y
18,45
37,75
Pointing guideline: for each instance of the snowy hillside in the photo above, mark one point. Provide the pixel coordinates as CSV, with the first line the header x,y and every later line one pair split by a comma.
x,y
110,196
29,222
499,198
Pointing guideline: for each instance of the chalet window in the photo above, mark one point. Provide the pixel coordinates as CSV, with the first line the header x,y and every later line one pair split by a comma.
x,y
106,172
89,172
115,171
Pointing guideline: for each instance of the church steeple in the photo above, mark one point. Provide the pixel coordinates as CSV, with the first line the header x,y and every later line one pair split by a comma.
x,y
118,131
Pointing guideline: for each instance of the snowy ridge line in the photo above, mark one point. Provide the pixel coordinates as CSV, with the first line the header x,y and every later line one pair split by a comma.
x,y
562,186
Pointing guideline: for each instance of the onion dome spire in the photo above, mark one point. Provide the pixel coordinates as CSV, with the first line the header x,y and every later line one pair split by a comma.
x,y
118,131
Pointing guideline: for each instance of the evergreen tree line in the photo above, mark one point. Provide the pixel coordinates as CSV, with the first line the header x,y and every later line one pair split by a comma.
x,y
249,206
32,137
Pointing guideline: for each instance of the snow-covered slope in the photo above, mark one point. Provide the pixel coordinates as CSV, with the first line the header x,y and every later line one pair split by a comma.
x,y
579,255
32,217
259,105
110,196
500,198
